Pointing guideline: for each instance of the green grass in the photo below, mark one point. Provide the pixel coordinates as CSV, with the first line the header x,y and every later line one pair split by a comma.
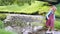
x,y
58,8
2,31
12,8
1,24
2,16
34,7
37,6
57,25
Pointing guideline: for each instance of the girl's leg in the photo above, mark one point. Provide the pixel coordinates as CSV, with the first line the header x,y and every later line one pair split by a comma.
x,y
48,31
52,26
48,28
52,30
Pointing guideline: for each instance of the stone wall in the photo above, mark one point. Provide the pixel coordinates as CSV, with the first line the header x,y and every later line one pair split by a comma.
x,y
18,18
19,21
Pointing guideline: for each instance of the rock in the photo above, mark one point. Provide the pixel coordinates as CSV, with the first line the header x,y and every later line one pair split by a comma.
x,y
9,28
36,28
27,30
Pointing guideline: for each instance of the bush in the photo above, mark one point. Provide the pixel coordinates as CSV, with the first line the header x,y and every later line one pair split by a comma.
x,y
2,31
1,24
57,25
2,16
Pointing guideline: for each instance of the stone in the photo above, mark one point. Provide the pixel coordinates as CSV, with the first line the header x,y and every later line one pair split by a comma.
x,y
36,28
9,28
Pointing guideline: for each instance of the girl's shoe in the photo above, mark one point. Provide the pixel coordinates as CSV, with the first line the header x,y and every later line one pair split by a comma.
x,y
52,32
48,31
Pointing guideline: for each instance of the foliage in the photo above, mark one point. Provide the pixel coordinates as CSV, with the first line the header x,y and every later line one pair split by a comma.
x,y
18,2
6,2
58,7
1,24
2,31
57,25
58,11
25,8
34,7
2,16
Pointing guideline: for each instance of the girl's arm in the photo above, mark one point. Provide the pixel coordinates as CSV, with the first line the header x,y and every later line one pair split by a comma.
x,y
54,16
48,14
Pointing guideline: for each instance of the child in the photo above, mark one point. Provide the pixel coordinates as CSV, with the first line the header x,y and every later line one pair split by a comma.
x,y
50,19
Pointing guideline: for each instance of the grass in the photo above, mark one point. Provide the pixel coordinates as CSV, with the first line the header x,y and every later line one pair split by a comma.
x,y
2,31
57,25
37,6
12,8
1,24
58,8
34,7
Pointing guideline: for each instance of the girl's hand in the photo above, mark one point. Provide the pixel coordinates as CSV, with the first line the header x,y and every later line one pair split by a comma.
x,y
48,18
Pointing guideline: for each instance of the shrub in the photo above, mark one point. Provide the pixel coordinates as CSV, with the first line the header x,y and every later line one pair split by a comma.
x,y
2,16
2,31
1,24
57,25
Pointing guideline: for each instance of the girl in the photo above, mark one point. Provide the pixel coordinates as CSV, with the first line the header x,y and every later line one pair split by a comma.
x,y
50,19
